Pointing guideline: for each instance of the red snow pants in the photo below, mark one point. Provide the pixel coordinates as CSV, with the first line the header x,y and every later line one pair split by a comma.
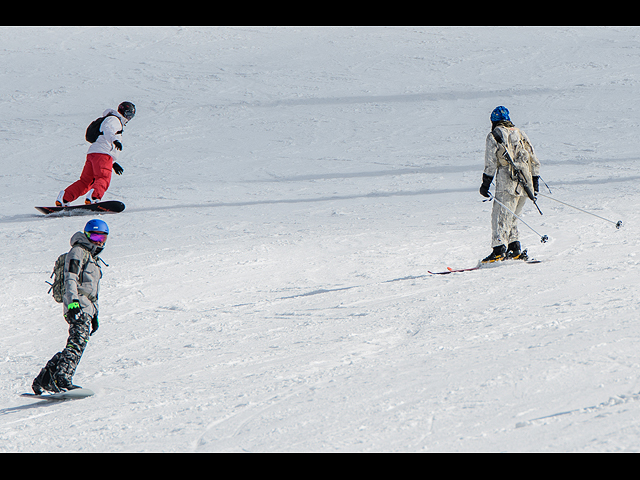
x,y
96,174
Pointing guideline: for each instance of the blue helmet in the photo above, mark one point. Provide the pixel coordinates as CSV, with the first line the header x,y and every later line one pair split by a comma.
x,y
96,225
500,113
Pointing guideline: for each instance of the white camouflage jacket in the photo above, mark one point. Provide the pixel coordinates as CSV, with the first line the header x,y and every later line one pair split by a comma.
x,y
522,153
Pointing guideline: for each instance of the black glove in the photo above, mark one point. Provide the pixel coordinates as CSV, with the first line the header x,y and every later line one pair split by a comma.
x,y
73,310
486,183
117,168
535,179
117,144
94,324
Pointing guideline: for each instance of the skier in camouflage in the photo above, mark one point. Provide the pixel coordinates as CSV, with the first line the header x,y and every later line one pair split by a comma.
x,y
509,189
82,274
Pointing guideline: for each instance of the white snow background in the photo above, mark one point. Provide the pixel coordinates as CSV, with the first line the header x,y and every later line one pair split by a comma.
x,y
287,191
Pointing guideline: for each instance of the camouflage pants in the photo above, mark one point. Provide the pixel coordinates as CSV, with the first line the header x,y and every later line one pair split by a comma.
x,y
504,226
63,364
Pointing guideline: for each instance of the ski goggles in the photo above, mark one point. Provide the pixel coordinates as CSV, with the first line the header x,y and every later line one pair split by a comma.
x,y
97,237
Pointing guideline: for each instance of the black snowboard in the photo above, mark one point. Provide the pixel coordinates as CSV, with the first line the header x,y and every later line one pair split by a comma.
x,y
111,206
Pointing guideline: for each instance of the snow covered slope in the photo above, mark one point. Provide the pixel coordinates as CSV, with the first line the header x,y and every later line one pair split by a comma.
x,y
287,191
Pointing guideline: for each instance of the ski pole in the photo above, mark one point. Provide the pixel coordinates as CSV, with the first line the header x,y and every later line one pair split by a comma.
x,y
545,184
618,224
543,238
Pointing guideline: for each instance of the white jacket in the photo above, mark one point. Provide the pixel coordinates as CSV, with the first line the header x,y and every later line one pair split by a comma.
x,y
521,152
111,129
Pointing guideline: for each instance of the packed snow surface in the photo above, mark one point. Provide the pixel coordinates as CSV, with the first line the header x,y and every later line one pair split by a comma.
x,y
287,192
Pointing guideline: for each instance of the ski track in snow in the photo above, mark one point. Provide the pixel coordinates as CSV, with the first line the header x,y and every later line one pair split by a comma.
x,y
287,190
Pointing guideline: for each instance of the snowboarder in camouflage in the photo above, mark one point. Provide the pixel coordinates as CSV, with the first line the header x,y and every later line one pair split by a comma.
x,y
82,274
509,188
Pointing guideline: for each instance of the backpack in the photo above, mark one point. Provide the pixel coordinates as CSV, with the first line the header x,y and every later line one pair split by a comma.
x,y
518,163
93,130
57,287
514,144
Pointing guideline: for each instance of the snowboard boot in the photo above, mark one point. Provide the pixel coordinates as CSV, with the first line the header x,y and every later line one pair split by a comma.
x,y
498,254
63,383
89,199
60,200
515,253
44,381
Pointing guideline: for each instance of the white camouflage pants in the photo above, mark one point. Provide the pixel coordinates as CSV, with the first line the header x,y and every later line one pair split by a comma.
x,y
504,226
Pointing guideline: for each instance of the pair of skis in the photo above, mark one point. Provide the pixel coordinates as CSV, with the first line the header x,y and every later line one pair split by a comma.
x,y
481,265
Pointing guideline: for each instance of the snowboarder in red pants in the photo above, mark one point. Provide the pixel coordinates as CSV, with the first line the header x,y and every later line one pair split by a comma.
x,y
105,135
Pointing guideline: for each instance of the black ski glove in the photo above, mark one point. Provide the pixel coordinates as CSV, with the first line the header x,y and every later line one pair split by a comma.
x,y
117,168
73,310
117,144
94,324
535,179
486,183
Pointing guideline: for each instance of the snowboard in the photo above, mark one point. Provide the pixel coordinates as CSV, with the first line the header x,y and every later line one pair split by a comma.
x,y
110,206
74,394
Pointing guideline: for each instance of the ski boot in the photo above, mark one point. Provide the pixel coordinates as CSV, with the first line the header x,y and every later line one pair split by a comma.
x,y
514,252
498,254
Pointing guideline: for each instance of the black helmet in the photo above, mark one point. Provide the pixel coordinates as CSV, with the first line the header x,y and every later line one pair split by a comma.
x,y
127,110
